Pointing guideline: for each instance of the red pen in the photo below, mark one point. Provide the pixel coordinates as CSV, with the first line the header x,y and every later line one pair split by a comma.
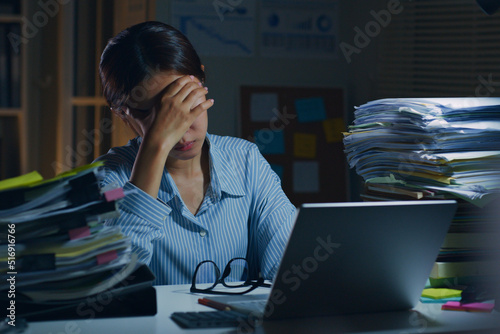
x,y
214,304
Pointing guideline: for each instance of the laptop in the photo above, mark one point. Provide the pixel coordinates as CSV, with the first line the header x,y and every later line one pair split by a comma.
x,y
356,257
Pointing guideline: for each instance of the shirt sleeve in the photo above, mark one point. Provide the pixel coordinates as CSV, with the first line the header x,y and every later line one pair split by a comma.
x,y
141,216
272,217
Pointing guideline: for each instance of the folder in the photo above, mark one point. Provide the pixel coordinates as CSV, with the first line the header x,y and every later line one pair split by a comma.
x,y
119,301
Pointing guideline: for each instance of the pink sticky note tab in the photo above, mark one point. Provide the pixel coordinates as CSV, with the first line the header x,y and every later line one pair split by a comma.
x,y
79,232
471,307
453,306
114,194
106,257
479,307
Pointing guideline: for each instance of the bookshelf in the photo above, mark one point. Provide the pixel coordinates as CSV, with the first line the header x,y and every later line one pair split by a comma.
x,y
89,128
52,113
13,87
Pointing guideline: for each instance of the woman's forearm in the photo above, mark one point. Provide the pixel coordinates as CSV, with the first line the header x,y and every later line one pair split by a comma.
x,y
149,165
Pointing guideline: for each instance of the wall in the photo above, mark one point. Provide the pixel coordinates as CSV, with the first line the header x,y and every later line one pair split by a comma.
x,y
226,74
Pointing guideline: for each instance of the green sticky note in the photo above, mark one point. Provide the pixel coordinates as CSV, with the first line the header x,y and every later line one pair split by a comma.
x,y
270,142
310,109
77,170
441,293
20,181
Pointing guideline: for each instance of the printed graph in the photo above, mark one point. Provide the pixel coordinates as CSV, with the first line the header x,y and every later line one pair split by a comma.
x,y
216,30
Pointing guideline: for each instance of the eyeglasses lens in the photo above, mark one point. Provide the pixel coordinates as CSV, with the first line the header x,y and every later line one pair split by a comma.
x,y
238,272
207,273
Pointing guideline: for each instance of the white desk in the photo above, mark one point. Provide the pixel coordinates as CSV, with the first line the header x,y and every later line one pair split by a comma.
x,y
430,319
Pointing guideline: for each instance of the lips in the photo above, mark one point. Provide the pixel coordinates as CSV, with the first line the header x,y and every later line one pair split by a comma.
x,y
184,147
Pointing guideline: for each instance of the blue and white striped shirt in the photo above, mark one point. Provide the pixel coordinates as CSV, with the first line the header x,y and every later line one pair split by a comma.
x,y
245,213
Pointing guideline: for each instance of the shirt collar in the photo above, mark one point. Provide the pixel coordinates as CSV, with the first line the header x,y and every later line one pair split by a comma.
x,y
222,171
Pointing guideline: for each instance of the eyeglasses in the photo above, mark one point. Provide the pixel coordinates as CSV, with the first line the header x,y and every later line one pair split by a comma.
x,y
235,275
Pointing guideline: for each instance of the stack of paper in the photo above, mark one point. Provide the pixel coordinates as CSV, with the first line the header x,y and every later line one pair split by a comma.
x,y
54,246
446,148
429,146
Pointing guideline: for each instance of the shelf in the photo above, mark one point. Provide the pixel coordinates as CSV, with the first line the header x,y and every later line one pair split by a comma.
x,y
10,18
88,101
13,75
10,112
85,118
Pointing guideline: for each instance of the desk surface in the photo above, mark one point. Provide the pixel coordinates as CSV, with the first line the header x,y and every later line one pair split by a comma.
x,y
425,318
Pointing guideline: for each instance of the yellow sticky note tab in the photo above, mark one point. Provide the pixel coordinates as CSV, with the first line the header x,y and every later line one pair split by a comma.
x,y
333,128
79,169
435,177
304,145
21,181
441,293
75,171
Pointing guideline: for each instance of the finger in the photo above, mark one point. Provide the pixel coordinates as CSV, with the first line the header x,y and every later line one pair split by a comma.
x,y
196,97
187,90
176,94
177,85
202,107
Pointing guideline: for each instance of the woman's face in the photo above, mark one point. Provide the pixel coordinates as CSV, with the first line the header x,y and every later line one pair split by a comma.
x,y
144,105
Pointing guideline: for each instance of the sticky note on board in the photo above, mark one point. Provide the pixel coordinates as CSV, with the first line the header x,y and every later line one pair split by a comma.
x,y
304,145
278,169
440,293
306,176
333,129
269,141
262,106
310,109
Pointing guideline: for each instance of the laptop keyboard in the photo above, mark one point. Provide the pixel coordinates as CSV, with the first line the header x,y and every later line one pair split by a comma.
x,y
208,319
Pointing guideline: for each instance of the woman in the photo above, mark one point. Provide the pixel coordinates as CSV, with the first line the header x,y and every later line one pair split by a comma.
x,y
198,196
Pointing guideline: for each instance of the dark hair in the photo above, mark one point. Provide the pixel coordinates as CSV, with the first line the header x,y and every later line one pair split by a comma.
x,y
141,50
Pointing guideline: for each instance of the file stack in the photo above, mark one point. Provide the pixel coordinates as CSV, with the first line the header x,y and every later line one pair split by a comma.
x,y
446,148
55,249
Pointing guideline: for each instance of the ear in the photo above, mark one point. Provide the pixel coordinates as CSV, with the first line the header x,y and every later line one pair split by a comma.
x,y
203,67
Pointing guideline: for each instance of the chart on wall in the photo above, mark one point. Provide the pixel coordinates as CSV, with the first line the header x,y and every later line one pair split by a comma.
x,y
218,27
267,28
299,28
299,132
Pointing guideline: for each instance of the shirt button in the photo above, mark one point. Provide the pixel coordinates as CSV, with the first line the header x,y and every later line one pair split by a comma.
x,y
203,233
